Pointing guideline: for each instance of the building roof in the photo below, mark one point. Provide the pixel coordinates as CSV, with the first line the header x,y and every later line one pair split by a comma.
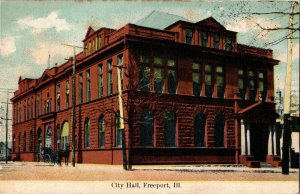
x,y
154,20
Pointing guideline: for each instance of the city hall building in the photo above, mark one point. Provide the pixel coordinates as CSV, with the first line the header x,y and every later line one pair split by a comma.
x,y
190,93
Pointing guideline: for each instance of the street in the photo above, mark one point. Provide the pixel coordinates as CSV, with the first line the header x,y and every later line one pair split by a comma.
x,y
90,178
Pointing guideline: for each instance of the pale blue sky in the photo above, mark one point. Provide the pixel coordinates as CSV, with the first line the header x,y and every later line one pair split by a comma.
x,y
31,29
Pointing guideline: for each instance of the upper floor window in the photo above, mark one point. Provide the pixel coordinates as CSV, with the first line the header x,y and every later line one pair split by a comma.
x,y
262,85
220,81
120,63
199,127
170,129
101,132
146,128
88,86
144,73
188,36
87,133
158,74
216,41
197,78
67,93
172,76
228,43
98,42
219,130
252,85
109,78
204,39
25,112
241,83
100,81
209,85
58,97
48,104
80,89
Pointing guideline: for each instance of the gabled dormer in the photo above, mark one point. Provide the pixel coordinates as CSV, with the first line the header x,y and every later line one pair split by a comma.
x,y
45,77
205,33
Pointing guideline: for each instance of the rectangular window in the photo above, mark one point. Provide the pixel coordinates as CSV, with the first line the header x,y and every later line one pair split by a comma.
x,y
99,42
88,86
158,80
188,36
144,74
216,41
172,76
220,81
109,78
197,78
208,81
228,43
67,93
252,85
241,83
80,89
262,84
58,97
204,39
100,81
120,63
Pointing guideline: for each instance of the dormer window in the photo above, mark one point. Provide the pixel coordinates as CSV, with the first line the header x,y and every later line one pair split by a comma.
x,y
228,43
188,36
204,39
216,41
98,42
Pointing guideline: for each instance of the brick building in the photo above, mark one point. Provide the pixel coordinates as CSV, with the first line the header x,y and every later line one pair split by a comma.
x,y
191,94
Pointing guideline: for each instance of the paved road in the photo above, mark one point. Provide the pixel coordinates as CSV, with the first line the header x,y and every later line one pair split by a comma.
x,y
40,178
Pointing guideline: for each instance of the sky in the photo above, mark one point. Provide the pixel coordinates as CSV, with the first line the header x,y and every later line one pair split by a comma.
x,y
31,30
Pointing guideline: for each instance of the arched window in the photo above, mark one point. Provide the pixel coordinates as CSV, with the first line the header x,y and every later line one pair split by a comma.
x,y
57,137
39,140
219,130
64,135
170,129
101,133
31,141
87,133
118,130
146,128
48,139
199,126
24,145
19,143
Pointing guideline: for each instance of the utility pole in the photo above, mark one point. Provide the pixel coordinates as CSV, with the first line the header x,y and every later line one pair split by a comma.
x,y
6,123
124,159
73,100
287,98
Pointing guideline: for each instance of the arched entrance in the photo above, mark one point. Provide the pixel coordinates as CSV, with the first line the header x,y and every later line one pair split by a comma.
x,y
48,138
64,135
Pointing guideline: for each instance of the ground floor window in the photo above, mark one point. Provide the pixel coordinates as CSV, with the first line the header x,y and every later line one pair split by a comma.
x,y
199,126
219,130
146,128
101,134
48,138
170,129
64,136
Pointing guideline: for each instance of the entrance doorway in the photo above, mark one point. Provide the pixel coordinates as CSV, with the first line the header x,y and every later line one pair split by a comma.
x,y
259,134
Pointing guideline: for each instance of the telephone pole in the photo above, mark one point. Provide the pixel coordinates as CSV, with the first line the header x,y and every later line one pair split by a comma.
x,y
73,100
287,98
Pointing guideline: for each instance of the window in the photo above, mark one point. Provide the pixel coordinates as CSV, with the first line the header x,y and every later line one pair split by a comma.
x,y
101,133
188,36
219,130
87,133
241,83
100,81
38,105
146,128
144,74
170,129
67,93
220,81
28,109
109,78
208,81
197,78
19,143
48,104
252,85
80,89
64,136
31,141
120,63
228,43
204,39
172,76
48,139
57,137
158,74
88,86
216,41
262,85
14,144
98,44
24,145
118,130
58,97
32,107
25,112
199,126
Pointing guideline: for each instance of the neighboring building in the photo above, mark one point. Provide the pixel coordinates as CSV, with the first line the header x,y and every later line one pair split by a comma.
x,y
191,94
3,152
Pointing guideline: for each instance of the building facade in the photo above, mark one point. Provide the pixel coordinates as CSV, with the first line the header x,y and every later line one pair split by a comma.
x,y
191,94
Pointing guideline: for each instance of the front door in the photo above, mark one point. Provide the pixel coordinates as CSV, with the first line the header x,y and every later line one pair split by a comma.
x,y
259,140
